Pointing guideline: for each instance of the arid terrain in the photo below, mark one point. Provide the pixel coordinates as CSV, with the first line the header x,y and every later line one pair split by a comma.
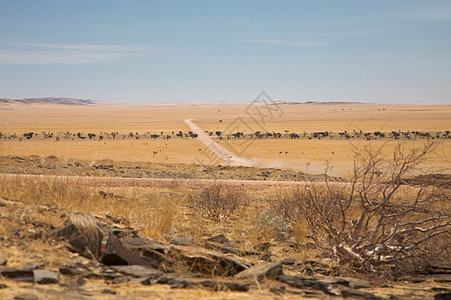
x,y
279,201
305,153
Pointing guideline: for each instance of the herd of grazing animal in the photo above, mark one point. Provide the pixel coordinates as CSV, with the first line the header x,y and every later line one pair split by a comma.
x,y
105,136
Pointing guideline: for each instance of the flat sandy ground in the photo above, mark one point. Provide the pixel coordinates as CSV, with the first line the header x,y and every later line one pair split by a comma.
x,y
300,154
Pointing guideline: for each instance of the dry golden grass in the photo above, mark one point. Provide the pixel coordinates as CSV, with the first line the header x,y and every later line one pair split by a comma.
x,y
154,211
151,210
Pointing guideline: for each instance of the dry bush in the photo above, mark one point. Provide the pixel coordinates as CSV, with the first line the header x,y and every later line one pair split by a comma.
x,y
217,201
291,204
270,225
376,222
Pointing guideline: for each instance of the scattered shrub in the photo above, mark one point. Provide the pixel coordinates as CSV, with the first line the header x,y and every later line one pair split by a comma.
x,y
217,201
271,225
376,222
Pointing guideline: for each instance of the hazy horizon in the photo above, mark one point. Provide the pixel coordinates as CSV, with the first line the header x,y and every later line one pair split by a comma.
x,y
170,51
231,101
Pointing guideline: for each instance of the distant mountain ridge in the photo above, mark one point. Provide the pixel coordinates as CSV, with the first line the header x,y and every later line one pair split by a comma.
x,y
56,100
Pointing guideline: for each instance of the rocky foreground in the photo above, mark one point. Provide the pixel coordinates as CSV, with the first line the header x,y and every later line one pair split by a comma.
x,y
90,257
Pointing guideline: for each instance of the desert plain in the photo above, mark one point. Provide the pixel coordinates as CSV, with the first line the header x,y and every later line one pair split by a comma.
x,y
302,154
142,174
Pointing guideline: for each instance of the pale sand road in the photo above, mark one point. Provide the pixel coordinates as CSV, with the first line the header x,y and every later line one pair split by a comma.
x,y
224,155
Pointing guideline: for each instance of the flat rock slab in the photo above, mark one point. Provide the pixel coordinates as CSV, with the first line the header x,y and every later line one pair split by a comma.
x,y
142,243
208,261
227,248
438,269
17,274
152,251
45,277
26,296
269,271
328,288
442,296
138,271
211,284
346,281
117,254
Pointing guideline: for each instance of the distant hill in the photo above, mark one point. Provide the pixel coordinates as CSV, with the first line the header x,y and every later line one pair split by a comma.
x,y
56,100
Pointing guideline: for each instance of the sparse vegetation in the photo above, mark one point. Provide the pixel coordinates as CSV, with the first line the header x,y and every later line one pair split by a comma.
x,y
388,217
270,225
217,201
376,223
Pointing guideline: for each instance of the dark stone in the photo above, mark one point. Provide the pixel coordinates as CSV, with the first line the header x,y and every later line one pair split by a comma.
x,y
328,288
113,219
442,278
70,271
3,286
347,281
26,296
440,289
443,296
438,269
45,277
207,261
278,290
157,260
270,271
17,274
108,291
82,233
117,254
220,239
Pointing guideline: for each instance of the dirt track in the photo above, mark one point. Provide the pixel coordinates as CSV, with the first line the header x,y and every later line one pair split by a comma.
x,y
224,155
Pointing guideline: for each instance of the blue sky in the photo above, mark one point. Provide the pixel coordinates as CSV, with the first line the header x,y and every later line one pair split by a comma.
x,y
296,50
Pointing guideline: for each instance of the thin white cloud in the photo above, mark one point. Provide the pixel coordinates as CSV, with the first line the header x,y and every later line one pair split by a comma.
x,y
429,12
39,53
291,43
